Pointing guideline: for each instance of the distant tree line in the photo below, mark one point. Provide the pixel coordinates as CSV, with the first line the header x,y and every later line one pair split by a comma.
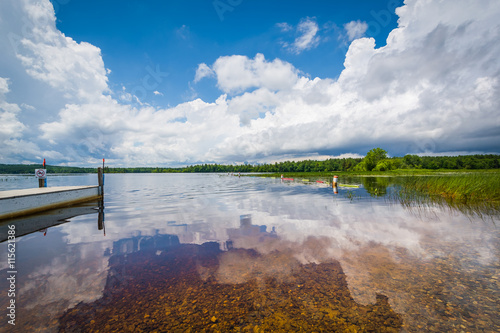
x,y
15,169
375,160
343,164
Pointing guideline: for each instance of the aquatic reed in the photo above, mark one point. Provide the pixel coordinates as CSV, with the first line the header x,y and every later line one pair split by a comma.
x,y
472,193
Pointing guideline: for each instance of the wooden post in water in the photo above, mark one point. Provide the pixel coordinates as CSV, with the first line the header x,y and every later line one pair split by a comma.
x,y
102,190
100,218
100,180
45,179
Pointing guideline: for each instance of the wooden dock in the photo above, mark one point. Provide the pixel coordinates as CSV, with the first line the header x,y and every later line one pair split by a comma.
x,y
24,202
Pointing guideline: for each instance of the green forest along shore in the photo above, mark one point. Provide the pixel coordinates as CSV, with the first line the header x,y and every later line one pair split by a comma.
x,y
376,160
464,180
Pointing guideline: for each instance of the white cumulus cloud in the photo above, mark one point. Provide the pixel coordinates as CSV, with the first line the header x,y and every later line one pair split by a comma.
x,y
12,145
355,29
203,71
50,56
306,35
10,126
434,87
238,73
308,38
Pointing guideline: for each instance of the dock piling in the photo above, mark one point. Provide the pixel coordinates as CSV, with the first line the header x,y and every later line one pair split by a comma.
x,y
335,184
100,180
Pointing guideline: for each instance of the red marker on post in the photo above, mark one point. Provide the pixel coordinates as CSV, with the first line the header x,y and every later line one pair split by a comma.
x,y
45,180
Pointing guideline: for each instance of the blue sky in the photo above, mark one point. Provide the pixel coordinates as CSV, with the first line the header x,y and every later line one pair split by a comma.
x,y
171,83
176,36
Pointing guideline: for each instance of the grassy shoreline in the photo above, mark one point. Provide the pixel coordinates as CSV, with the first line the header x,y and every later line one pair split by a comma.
x,y
473,194
462,189
392,173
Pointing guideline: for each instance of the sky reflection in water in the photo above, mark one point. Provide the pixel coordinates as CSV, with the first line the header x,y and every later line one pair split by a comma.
x,y
438,268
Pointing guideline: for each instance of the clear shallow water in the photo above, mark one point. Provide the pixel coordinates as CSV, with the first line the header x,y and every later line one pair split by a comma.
x,y
282,256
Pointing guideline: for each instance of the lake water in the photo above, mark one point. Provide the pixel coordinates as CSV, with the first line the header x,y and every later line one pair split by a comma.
x,y
210,252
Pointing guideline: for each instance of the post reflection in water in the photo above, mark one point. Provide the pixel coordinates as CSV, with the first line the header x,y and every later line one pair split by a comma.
x,y
100,217
220,253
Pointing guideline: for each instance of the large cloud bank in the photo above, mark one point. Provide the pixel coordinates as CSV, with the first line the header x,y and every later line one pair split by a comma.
x,y
433,88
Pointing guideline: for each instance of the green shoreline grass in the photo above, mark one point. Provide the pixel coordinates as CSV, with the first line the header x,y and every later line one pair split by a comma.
x,y
399,172
468,188
478,190
475,194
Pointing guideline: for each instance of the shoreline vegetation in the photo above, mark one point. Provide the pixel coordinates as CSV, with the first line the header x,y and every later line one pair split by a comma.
x,y
471,193
476,191
464,181
376,162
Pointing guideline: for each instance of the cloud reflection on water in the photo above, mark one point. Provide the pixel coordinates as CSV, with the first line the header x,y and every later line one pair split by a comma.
x,y
290,224
298,214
